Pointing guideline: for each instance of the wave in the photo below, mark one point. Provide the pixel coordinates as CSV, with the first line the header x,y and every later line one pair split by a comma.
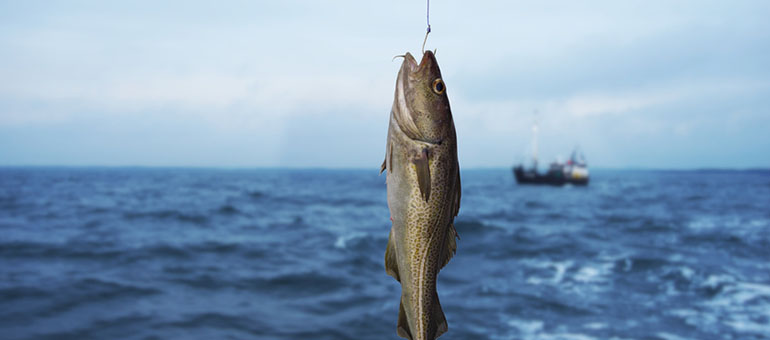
x,y
469,227
228,209
743,307
53,300
215,320
534,329
190,251
287,285
257,195
152,254
39,250
105,328
651,228
529,204
642,264
526,247
327,201
545,303
12,294
105,251
300,284
173,215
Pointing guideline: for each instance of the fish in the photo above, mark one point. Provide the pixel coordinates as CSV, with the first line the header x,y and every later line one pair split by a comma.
x,y
423,188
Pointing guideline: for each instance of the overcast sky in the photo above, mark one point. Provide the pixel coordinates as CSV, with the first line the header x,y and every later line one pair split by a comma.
x,y
654,84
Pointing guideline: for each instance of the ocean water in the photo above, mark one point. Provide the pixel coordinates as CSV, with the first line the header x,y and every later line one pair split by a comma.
x,y
123,253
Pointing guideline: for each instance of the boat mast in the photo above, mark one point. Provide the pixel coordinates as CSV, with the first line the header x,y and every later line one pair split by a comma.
x,y
534,143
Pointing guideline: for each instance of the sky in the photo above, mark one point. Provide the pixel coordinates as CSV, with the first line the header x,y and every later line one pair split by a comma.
x,y
634,84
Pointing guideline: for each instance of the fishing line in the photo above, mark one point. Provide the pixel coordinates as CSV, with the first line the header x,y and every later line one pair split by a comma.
x,y
427,19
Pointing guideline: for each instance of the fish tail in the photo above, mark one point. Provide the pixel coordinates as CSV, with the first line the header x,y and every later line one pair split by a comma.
x,y
436,323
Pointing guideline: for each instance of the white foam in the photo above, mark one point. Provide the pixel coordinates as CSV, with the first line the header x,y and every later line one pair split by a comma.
x,y
743,292
669,336
534,329
714,281
565,336
587,274
676,257
702,224
342,240
528,327
695,318
595,325
595,273
559,269
747,325
535,281
742,306
733,224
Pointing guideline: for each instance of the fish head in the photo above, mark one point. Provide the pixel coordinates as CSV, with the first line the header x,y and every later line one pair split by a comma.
x,y
422,104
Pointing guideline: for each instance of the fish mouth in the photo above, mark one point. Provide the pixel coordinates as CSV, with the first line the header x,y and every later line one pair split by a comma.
x,y
427,58
410,62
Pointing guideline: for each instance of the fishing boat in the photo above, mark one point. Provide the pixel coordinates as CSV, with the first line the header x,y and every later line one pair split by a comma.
x,y
574,171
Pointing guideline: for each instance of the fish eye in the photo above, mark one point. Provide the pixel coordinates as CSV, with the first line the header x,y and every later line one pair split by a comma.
x,y
438,86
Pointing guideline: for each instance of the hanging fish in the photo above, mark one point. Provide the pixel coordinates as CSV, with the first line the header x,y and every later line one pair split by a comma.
x,y
423,181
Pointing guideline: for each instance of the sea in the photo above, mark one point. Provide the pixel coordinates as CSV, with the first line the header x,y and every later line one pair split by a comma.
x,y
190,253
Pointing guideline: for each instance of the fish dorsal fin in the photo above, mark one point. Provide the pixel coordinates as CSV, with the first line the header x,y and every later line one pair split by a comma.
x,y
391,263
458,192
403,325
422,166
450,245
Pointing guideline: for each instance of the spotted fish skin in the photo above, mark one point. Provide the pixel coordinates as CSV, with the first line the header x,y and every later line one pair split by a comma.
x,y
423,185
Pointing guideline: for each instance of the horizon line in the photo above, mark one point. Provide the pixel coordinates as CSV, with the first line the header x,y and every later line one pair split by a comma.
x,y
333,168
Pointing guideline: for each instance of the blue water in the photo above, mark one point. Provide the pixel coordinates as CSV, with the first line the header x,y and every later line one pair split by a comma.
x,y
99,253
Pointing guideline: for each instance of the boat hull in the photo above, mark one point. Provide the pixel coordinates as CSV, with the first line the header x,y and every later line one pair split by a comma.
x,y
555,178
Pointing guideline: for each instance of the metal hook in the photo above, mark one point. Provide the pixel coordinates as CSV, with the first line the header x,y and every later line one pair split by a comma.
x,y
427,21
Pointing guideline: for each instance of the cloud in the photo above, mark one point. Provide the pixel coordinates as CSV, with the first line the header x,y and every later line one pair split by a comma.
x,y
212,94
612,76
505,113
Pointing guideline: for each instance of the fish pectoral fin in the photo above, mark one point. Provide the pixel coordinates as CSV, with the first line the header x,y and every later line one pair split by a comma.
x,y
388,158
403,325
450,247
439,320
388,151
422,165
391,265
382,167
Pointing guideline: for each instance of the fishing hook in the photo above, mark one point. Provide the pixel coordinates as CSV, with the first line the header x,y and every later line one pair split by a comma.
x,y
427,19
